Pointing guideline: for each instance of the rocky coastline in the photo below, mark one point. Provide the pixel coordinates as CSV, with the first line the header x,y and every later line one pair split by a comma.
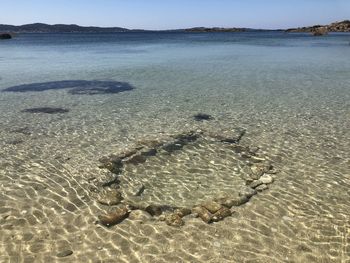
x,y
343,26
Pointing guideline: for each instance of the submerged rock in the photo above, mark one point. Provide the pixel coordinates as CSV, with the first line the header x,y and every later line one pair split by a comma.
x,y
182,211
136,159
258,169
202,117
211,206
174,220
248,192
64,253
139,215
266,179
110,197
262,187
48,110
232,201
115,217
203,213
222,213
255,184
154,210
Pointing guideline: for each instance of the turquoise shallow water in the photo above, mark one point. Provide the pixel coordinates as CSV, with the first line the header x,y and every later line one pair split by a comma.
x,y
290,92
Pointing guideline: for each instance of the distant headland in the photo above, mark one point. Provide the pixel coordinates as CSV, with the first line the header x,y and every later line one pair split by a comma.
x,y
343,26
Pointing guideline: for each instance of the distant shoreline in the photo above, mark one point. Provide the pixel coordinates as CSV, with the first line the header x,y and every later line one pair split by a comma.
x,y
343,26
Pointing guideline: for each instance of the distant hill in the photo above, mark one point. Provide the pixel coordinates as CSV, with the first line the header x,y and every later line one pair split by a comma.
x,y
59,28
343,26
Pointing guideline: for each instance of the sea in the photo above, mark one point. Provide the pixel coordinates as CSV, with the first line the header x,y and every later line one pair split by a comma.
x,y
144,123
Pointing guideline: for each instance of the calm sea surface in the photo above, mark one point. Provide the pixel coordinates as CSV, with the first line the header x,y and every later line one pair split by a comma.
x,y
67,100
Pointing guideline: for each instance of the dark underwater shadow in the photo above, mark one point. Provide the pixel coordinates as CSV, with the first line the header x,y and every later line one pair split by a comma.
x,y
77,87
48,110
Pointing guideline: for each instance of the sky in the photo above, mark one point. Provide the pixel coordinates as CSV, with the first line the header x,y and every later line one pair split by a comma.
x,y
173,14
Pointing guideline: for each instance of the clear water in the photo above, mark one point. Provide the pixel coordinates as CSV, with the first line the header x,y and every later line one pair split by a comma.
x,y
291,92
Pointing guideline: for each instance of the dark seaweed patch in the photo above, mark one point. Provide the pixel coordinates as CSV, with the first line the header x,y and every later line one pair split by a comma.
x,y
78,87
202,117
47,110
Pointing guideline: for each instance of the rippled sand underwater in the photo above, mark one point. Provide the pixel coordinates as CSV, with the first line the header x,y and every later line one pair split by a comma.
x,y
290,93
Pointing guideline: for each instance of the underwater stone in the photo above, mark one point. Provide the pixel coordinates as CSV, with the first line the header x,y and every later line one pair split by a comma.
x,y
139,215
182,211
47,110
256,183
232,201
202,117
136,159
240,200
174,220
115,217
266,179
221,214
211,206
154,210
261,188
110,197
258,169
203,213
247,191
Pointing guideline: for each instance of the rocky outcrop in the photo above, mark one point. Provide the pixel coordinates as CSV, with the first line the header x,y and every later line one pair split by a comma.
x,y
343,26
5,36
319,30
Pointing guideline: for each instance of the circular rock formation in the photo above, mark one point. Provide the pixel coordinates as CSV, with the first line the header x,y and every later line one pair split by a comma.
x,y
139,200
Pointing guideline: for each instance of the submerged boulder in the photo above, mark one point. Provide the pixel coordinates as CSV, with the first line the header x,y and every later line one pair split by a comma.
x,y
174,220
114,217
110,197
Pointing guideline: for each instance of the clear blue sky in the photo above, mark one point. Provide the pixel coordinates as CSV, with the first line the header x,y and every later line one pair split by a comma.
x,y
169,14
